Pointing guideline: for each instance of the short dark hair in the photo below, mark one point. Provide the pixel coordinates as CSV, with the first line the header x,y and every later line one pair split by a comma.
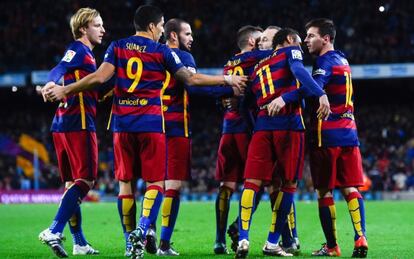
x,y
173,25
146,14
244,33
281,36
325,27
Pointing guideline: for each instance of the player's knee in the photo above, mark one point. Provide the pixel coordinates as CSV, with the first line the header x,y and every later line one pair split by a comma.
x,y
68,184
89,183
324,193
346,191
230,185
173,185
125,188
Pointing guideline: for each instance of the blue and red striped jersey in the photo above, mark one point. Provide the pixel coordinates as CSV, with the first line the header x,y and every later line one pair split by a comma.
x,y
333,72
176,99
76,112
235,120
271,78
143,70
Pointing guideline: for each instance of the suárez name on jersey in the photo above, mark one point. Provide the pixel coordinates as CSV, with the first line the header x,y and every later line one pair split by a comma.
x,y
133,46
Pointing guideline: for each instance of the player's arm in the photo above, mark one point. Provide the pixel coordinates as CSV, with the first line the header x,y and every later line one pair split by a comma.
x,y
100,76
310,88
213,91
71,60
196,79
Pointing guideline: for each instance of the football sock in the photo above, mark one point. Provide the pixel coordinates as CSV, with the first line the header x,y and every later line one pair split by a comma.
x,y
357,211
246,208
170,207
222,212
327,216
150,206
70,202
75,226
127,210
281,209
257,198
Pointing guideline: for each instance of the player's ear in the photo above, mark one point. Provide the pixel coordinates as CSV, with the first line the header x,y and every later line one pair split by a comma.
x,y
82,30
290,39
326,38
174,35
252,41
151,26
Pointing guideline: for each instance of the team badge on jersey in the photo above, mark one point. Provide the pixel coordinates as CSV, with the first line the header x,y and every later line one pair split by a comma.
x,y
297,54
319,71
69,56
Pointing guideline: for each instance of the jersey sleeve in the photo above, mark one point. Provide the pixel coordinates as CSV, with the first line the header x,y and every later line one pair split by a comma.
x,y
172,61
310,86
261,54
189,62
72,59
322,72
110,54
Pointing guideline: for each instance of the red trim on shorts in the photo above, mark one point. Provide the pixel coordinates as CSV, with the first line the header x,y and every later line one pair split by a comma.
x,y
249,185
325,202
353,195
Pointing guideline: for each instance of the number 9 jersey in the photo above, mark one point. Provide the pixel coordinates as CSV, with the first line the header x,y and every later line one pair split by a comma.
x,y
141,77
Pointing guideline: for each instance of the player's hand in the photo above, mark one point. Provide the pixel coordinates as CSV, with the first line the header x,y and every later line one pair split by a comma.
x,y
275,106
237,81
324,108
237,91
45,88
57,93
230,103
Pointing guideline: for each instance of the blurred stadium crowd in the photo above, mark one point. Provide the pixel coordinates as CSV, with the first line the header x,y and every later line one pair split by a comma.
x,y
37,32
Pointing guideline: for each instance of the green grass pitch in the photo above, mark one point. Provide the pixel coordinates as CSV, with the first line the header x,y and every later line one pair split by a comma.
x,y
390,229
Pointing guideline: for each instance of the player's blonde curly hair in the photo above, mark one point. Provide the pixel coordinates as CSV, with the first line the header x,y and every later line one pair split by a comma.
x,y
81,19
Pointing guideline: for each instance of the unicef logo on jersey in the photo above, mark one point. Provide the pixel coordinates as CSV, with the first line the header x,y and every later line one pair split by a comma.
x,y
133,102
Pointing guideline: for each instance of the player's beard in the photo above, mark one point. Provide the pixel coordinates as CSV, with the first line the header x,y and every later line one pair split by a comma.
x,y
182,46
